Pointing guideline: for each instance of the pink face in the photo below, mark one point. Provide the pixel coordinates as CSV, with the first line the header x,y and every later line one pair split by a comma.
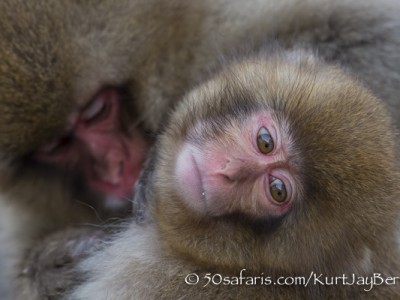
x,y
246,170
95,144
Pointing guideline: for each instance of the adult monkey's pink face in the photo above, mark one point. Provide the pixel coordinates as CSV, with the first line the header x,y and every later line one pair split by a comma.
x,y
96,144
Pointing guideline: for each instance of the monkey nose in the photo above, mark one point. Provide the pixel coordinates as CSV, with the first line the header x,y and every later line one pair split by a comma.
x,y
110,169
237,170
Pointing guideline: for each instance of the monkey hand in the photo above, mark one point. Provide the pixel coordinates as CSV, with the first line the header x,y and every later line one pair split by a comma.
x,y
49,269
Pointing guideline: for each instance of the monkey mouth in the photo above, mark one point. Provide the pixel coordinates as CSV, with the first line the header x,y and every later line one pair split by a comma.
x,y
189,178
122,189
198,175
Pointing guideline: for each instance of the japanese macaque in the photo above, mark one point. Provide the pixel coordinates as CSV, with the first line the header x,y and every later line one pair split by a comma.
x,y
84,85
280,166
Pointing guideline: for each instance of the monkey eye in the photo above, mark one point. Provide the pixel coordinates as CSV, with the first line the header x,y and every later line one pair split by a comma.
x,y
56,144
278,190
265,143
95,110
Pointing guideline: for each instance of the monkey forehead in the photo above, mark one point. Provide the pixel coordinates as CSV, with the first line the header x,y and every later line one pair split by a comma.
x,y
26,121
288,81
34,81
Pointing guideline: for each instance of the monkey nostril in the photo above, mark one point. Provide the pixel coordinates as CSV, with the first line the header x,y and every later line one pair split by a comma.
x,y
111,173
225,164
226,171
115,173
233,170
228,178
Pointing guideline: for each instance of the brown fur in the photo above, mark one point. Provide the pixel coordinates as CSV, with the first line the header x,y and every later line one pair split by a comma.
x,y
345,222
56,54
42,279
151,59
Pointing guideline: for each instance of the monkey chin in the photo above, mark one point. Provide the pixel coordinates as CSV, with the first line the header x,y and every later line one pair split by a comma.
x,y
116,203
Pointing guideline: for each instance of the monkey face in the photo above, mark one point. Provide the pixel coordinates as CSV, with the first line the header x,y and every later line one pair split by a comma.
x,y
95,143
244,170
274,158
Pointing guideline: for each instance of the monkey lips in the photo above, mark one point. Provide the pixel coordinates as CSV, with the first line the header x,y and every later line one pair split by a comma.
x,y
190,179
